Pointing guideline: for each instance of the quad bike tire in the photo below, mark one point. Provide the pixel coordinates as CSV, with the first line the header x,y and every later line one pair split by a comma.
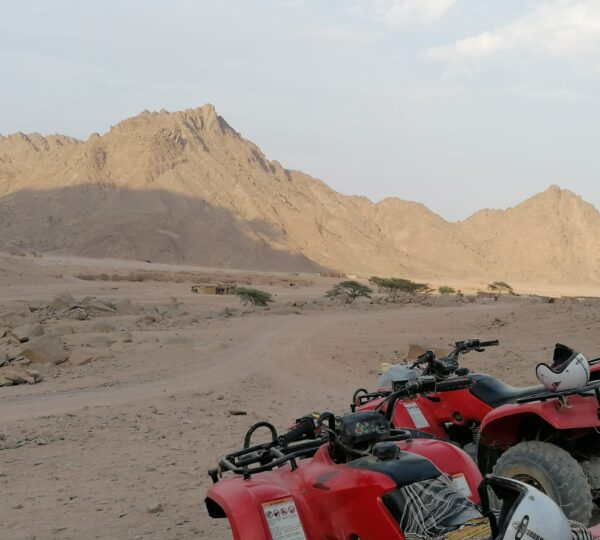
x,y
552,470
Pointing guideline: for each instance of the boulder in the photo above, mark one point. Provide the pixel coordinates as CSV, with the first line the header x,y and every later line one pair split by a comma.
x,y
16,375
99,342
92,304
63,301
13,319
35,374
63,329
46,349
26,332
78,313
103,327
85,355
3,358
126,307
38,306
22,361
154,507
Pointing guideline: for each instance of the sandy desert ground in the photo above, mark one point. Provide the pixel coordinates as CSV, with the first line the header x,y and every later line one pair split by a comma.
x,y
91,450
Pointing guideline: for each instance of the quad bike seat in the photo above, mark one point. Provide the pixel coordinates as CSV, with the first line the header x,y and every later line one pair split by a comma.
x,y
496,393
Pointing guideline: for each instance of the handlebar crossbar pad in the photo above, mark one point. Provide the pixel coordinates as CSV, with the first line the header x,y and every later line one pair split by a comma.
x,y
305,428
457,383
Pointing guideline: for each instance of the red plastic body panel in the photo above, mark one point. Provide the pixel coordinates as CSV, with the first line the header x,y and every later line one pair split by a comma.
x,y
595,531
333,501
459,407
500,428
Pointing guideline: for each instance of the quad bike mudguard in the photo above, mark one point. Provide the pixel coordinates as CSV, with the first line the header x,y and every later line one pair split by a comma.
x,y
331,501
503,427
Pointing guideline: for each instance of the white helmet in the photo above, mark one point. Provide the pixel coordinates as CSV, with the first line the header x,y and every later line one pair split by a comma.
x,y
569,370
527,513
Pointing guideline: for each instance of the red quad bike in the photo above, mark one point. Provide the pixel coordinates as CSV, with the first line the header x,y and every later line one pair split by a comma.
x,y
354,478
550,440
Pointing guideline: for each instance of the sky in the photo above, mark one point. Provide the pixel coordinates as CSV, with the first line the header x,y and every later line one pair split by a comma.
x,y
458,104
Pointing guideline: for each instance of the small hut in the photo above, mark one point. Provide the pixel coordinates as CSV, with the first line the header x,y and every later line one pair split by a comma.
x,y
214,289
332,275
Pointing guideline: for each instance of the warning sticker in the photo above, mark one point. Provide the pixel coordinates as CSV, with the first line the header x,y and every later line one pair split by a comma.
x,y
283,520
460,482
416,415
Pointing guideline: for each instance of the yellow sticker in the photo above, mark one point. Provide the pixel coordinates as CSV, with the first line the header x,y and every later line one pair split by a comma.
x,y
472,530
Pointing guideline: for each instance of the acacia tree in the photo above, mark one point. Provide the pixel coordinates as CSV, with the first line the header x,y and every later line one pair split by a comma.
x,y
353,289
501,287
256,297
394,286
380,282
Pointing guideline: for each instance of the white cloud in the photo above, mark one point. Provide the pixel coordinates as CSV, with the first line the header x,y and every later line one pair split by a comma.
x,y
558,28
395,13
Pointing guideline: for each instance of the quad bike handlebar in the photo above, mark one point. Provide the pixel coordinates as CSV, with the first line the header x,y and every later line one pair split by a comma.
x,y
402,389
448,365
304,429
422,385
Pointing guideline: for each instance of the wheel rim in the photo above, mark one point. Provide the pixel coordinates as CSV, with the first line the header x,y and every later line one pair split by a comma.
x,y
529,480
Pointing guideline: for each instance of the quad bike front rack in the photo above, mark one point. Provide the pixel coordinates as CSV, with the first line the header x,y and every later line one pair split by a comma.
x,y
267,456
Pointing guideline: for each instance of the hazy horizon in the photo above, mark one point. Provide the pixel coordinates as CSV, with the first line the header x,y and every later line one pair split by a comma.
x,y
450,104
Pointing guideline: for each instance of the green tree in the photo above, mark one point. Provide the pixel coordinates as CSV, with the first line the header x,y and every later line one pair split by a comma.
x,y
353,289
501,287
394,286
380,282
255,297
444,289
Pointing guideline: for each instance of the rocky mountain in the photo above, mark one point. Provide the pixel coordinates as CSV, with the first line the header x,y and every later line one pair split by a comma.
x,y
185,187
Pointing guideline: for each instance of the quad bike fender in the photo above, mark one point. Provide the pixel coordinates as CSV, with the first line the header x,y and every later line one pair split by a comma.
x,y
452,461
503,427
241,505
595,531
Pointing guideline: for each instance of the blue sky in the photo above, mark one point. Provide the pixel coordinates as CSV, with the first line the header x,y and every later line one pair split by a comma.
x,y
459,104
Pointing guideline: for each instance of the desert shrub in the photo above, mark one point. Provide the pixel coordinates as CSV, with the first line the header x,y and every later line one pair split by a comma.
x,y
353,289
256,297
501,287
444,289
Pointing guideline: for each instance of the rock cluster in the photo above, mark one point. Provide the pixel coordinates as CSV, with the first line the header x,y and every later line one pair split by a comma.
x,y
27,347
11,442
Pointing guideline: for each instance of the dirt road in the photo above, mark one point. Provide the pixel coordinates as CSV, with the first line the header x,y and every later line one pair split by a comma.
x,y
95,447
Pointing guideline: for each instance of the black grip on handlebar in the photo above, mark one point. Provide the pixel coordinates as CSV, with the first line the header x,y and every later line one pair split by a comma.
x,y
491,343
304,429
457,383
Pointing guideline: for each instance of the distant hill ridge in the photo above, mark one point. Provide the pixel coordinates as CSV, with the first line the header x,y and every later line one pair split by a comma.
x,y
186,187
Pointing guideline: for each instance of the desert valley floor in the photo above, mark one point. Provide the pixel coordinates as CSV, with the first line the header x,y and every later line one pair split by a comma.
x,y
118,447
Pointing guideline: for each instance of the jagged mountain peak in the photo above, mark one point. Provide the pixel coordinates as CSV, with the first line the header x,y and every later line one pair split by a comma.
x,y
186,187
